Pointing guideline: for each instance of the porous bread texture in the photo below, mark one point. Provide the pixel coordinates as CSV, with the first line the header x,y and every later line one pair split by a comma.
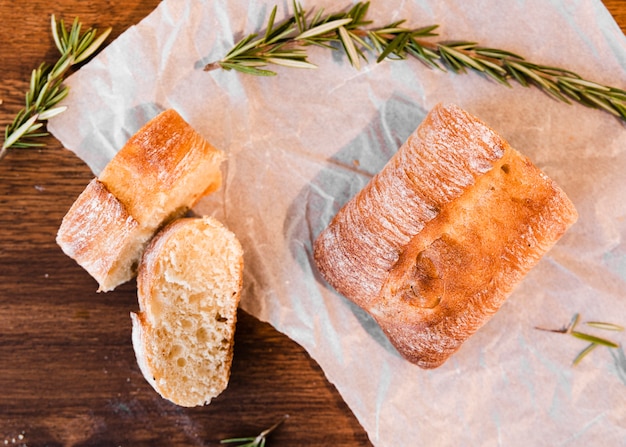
x,y
189,284
438,239
159,174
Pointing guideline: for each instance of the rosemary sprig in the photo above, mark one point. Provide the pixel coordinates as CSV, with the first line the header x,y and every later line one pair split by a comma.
x,y
46,84
255,441
593,340
286,44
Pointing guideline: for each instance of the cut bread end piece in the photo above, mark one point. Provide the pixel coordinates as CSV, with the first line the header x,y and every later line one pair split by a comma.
x,y
189,284
102,237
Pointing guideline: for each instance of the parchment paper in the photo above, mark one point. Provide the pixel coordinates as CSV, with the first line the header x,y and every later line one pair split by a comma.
x,y
304,142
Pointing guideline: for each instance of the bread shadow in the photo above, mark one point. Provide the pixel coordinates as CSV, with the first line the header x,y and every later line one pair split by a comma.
x,y
344,174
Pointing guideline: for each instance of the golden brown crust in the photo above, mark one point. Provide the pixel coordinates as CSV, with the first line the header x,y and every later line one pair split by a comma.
x,y
157,176
434,244
99,233
165,167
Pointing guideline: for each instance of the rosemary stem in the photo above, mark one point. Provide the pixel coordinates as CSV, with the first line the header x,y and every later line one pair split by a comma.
x,y
285,45
212,66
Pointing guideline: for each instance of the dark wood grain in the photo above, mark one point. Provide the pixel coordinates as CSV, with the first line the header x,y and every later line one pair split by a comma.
x,y
68,374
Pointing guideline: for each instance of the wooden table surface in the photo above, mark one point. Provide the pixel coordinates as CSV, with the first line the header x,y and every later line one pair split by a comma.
x,y
68,375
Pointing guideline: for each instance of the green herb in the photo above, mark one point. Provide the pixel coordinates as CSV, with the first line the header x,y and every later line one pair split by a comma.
x,y
255,441
46,89
594,341
285,44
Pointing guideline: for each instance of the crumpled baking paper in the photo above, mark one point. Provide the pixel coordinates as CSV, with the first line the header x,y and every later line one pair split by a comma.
x,y
302,143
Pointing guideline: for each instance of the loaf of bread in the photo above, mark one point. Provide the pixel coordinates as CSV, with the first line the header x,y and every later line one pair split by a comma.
x,y
158,175
189,284
438,239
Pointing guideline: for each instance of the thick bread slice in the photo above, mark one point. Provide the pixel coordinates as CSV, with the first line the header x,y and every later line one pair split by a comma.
x,y
163,170
189,284
434,244
99,232
157,176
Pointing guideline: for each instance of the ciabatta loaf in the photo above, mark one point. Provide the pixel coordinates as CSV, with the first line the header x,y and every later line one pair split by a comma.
x,y
437,240
157,176
189,284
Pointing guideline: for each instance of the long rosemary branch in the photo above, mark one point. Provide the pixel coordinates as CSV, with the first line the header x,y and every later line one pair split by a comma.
x,y
285,44
46,84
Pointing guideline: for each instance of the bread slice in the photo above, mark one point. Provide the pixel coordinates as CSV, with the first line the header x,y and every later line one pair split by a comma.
x,y
437,240
157,176
189,284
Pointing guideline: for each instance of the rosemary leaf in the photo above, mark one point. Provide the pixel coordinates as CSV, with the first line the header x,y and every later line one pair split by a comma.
x,y
582,354
587,84
394,47
55,35
323,29
19,132
465,59
270,23
605,326
594,339
516,74
317,19
286,62
281,33
243,49
390,29
568,92
58,96
248,440
529,73
448,56
84,54
621,109
487,64
598,102
348,45
299,16
50,113
74,32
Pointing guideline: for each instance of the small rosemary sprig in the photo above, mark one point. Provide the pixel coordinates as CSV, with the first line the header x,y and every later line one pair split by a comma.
x,y
255,441
593,340
46,89
285,45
